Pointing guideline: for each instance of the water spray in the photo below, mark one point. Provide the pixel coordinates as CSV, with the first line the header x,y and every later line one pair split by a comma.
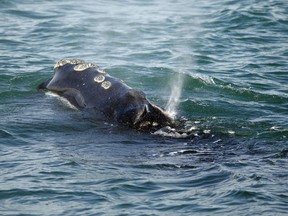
x,y
174,100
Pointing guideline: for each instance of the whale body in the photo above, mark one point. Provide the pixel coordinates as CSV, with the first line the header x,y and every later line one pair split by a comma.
x,y
86,86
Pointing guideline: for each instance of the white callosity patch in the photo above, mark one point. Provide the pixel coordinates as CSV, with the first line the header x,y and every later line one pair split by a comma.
x,y
99,78
101,71
106,84
82,67
68,61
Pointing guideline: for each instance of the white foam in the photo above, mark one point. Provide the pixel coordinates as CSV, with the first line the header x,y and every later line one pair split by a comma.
x,y
204,78
170,132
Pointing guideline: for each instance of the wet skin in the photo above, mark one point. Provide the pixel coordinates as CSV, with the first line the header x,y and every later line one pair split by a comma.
x,y
86,86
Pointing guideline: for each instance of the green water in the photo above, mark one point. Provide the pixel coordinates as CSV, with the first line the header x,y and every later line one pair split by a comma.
x,y
228,59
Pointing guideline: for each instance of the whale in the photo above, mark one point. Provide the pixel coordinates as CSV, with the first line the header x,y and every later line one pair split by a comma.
x,y
86,86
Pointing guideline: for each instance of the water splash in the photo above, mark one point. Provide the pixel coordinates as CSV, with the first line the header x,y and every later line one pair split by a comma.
x,y
176,89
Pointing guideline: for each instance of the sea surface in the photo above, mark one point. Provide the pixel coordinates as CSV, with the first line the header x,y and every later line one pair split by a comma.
x,y
222,64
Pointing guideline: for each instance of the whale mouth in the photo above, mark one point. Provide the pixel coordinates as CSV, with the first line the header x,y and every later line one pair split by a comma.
x,y
137,112
152,116
140,119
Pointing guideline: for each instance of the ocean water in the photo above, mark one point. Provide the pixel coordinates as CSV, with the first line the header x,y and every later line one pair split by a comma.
x,y
223,65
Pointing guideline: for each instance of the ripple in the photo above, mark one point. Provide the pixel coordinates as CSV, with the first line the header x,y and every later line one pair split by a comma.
x,y
229,151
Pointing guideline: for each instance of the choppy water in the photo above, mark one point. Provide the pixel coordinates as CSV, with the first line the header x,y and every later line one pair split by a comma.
x,y
232,59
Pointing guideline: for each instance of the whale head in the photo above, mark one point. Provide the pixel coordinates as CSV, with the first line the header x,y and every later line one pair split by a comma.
x,y
86,86
136,111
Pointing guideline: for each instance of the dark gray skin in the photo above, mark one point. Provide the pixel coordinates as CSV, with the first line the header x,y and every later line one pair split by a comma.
x,y
86,86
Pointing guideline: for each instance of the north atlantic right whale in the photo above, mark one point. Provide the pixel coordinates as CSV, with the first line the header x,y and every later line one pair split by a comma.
x,y
87,86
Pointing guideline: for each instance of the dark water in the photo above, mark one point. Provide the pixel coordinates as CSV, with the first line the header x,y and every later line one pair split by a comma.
x,y
232,57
